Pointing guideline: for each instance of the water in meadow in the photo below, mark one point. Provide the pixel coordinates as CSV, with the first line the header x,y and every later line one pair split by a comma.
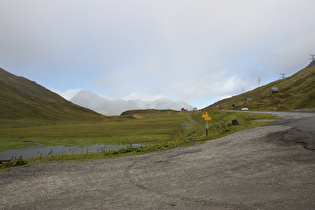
x,y
42,150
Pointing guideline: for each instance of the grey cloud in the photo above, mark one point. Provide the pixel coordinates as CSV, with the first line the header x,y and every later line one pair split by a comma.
x,y
155,47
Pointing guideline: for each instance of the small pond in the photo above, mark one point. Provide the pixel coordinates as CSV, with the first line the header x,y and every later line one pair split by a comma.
x,y
42,150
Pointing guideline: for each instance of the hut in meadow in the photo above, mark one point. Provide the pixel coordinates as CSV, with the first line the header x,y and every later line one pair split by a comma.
x,y
274,90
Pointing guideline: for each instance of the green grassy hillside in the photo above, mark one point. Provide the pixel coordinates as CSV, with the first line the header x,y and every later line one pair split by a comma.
x,y
295,92
155,128
22,99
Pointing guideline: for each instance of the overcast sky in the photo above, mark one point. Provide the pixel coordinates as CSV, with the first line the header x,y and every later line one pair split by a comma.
x,y
197,51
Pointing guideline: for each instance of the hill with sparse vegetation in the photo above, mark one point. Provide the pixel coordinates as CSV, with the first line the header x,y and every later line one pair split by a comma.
x,y
30,114
22,99
294,93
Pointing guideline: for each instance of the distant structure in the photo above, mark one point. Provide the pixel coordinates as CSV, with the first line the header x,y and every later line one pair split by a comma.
x,y
258,81
282,75
313,60
274,90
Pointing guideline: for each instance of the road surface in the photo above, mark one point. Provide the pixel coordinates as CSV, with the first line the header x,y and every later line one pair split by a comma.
x,y
267,167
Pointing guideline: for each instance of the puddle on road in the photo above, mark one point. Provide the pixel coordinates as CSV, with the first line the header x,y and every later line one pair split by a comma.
x,y
40,149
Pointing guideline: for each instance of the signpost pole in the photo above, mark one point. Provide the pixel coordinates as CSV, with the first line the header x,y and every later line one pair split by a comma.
x,y
207,126
206,117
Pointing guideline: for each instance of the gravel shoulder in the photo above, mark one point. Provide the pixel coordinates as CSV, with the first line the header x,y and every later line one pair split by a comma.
x,y
249,169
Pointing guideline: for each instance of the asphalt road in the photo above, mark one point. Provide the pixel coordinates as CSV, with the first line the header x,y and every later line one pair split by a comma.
x,y
302,124
267,167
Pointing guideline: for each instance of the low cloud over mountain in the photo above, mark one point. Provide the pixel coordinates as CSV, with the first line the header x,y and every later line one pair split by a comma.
x,y
104,106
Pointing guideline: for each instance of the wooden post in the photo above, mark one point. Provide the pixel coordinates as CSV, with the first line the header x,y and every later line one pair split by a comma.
x,y
207,127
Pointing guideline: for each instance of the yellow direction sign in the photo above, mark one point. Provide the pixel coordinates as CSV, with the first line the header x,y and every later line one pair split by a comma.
x,y
206,116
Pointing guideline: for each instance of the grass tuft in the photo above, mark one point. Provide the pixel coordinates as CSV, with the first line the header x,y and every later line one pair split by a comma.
x,y
5,165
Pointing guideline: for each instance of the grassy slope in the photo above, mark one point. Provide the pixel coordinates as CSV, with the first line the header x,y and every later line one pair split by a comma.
x,y
146,128
295,92
39,115
22,99
153,127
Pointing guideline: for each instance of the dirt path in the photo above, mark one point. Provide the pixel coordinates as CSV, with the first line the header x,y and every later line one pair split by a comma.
x,y
193,121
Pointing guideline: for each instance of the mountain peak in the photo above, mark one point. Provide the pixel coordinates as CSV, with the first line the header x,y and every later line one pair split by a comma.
x,y
104,106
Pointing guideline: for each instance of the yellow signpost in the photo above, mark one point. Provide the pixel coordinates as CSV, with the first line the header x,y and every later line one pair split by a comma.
x,y
206,117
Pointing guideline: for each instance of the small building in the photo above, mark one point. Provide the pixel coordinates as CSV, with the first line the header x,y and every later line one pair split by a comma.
x,y
274,90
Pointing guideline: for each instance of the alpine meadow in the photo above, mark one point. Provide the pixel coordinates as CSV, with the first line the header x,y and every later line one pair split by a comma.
x,y
33,114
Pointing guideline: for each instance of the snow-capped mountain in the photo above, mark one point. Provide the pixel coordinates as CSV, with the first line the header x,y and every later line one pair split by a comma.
x,y
104,106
